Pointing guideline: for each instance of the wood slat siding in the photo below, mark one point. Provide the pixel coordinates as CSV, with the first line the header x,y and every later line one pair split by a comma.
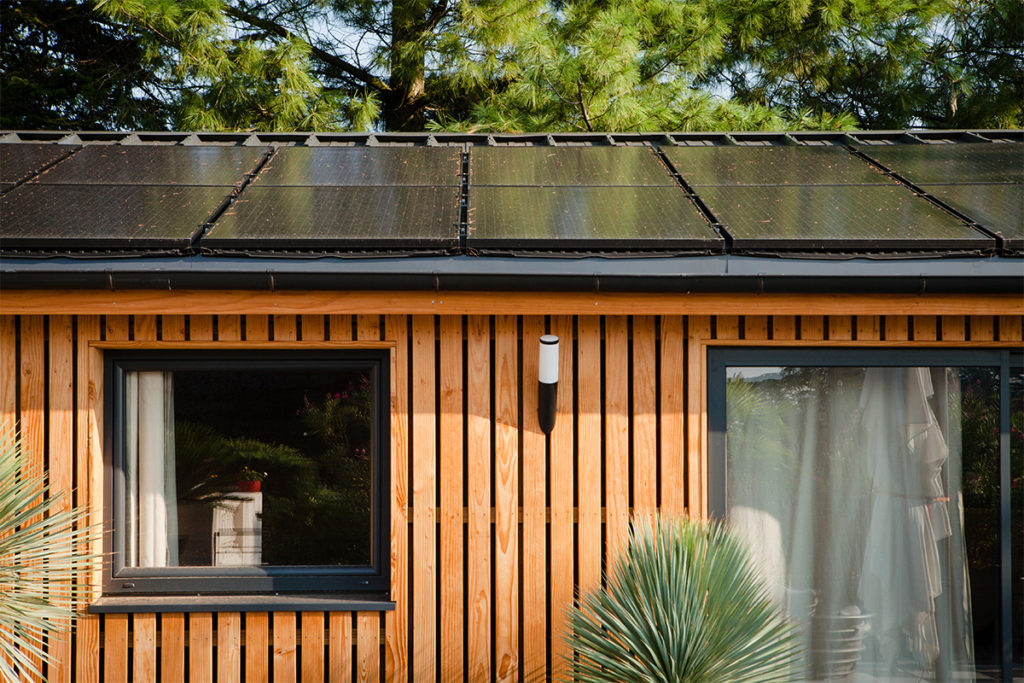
x,y
534,497
478,547
452,606
494,526
424,473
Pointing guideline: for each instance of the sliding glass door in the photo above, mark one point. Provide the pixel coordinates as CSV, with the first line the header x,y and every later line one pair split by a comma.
x,y
871,487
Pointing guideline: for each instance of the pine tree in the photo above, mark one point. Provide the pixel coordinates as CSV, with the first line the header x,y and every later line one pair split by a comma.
x,y
64,65
518,65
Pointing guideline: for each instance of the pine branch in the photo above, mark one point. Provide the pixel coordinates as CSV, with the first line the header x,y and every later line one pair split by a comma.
x,y
327,58
438,12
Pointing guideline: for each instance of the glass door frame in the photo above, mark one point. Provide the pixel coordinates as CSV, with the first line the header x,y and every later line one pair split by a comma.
x,y
719,358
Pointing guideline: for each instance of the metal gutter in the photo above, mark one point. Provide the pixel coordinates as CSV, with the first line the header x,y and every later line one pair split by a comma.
x,y
682,274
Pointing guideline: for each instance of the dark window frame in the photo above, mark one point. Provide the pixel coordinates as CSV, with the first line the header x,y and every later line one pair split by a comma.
x,y
768,355
371,580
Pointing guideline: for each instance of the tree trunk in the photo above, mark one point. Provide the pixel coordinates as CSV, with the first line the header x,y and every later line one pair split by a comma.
x,y
404,106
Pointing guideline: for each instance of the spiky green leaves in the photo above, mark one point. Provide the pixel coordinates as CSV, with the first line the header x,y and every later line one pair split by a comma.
x,y
42,549
683,604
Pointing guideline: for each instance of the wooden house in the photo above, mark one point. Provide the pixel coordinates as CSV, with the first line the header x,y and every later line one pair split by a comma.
x,y
814,335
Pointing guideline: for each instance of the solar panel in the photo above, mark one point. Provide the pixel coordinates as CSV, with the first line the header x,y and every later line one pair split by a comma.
x,y
856,217
353,217
155,165
17,162
35,215
981,162
574,217
999,207
775,165
586,166
333,166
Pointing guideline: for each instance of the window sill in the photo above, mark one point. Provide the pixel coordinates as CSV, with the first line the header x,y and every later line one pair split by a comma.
x,y
126,604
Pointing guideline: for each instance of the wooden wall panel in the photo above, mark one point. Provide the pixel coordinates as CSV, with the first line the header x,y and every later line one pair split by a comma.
x,y
698,329
505,524
672,417
339,647
506,499
534,497
115,647
144,648
172,648
257,642
32,396
616,475
229,647
452,598
645,418
588,453
312,631
285,655
397,622
8,372
61,458
478,456
423,461
368,647
562,487
200,647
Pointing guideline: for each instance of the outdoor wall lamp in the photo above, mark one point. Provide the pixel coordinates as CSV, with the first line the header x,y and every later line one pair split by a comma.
x,y
547,386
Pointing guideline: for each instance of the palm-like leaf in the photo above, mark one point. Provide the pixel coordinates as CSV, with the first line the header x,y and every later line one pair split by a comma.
x,y
684,603
41,551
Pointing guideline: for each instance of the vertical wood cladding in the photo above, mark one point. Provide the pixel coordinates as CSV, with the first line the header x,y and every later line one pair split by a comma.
x,y
494,526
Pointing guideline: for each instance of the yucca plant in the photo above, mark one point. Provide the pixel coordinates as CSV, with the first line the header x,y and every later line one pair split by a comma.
x,y
683,603
41,552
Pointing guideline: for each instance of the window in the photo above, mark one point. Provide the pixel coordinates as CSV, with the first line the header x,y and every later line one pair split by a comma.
x,y
243,472
880,493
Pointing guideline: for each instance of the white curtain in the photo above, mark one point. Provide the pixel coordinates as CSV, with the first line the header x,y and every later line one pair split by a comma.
x,y
152,505
845,483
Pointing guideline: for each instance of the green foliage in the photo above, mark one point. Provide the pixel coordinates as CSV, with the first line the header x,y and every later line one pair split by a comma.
x,y
936,63
43,547
524,65
683,604
64,65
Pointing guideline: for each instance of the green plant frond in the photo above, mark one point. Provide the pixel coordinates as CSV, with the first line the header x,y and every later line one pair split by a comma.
x,y
683,604
44,546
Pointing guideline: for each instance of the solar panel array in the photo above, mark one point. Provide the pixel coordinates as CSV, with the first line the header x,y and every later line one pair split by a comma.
x,y
318,197
579,197
123,196
983,181
678,195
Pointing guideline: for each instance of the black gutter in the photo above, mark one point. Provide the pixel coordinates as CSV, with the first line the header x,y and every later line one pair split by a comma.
x,y
707,274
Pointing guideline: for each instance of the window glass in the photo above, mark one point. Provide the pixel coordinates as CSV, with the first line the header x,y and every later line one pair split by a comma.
x,y
870,498
250,467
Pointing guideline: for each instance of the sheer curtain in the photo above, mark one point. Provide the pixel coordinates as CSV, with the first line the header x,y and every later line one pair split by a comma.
x,y
152,505
846,484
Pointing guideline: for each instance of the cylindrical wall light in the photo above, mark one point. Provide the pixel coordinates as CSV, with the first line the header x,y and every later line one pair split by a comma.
x,y
547,386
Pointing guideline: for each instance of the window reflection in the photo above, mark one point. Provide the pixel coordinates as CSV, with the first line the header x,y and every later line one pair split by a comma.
x,y
248,467
870,497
